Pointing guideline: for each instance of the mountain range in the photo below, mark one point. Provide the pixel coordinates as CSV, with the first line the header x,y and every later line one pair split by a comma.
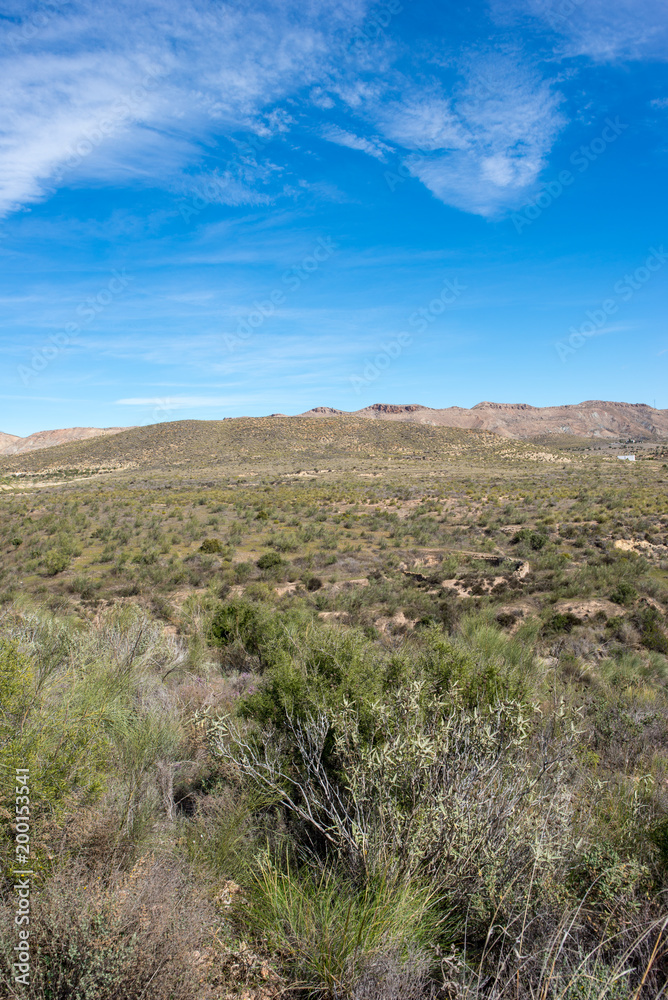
x,y
594,418
591,419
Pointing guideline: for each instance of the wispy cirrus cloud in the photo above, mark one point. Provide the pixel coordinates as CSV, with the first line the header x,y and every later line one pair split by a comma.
x,y
603,30
87,94
171,102
341,137
175,402
483,144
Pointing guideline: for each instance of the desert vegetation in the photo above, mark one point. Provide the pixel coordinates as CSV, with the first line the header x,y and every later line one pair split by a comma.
x,y
372,715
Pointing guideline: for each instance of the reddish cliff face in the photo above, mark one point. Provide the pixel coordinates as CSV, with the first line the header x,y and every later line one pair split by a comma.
x,y
12,445
380,409
322,411
503,406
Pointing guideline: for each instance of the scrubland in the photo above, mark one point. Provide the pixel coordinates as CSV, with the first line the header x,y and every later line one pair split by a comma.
x,y
372,715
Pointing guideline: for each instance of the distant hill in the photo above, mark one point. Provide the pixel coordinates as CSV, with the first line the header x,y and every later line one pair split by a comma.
x,y
592,419
162,443
276,442
10,444
6,441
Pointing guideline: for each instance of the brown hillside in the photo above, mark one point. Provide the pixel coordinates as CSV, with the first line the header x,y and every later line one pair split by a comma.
x,y
10,444
591,419
6,440
281,442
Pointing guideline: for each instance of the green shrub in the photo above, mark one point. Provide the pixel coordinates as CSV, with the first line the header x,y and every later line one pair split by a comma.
x,y
234,621
285,542
624,593
561,622
55,561
534,539
85,587
61,743
603,879
649,623
270,560
242,571
211,546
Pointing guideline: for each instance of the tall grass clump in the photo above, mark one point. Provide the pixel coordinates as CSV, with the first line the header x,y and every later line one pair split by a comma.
x,y
342,941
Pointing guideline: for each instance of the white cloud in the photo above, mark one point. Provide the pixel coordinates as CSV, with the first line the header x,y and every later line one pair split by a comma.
x,y
224,71
482,146
423,121
603,30
70,102
175,402
335,134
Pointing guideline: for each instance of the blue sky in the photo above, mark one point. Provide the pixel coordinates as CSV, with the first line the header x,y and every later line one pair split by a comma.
x,y
211,210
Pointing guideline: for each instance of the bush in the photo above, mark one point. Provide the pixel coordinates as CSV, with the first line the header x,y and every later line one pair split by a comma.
x,y
648,622
242,571
534,539
211,546
93,940
84,587
55,561
624,593
269,560
236,621
507,619
561,622
286,542
409,791
606,881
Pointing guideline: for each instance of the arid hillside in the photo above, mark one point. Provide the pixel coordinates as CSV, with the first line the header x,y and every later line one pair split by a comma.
x,y
592,419
296,444
6,441
10,444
